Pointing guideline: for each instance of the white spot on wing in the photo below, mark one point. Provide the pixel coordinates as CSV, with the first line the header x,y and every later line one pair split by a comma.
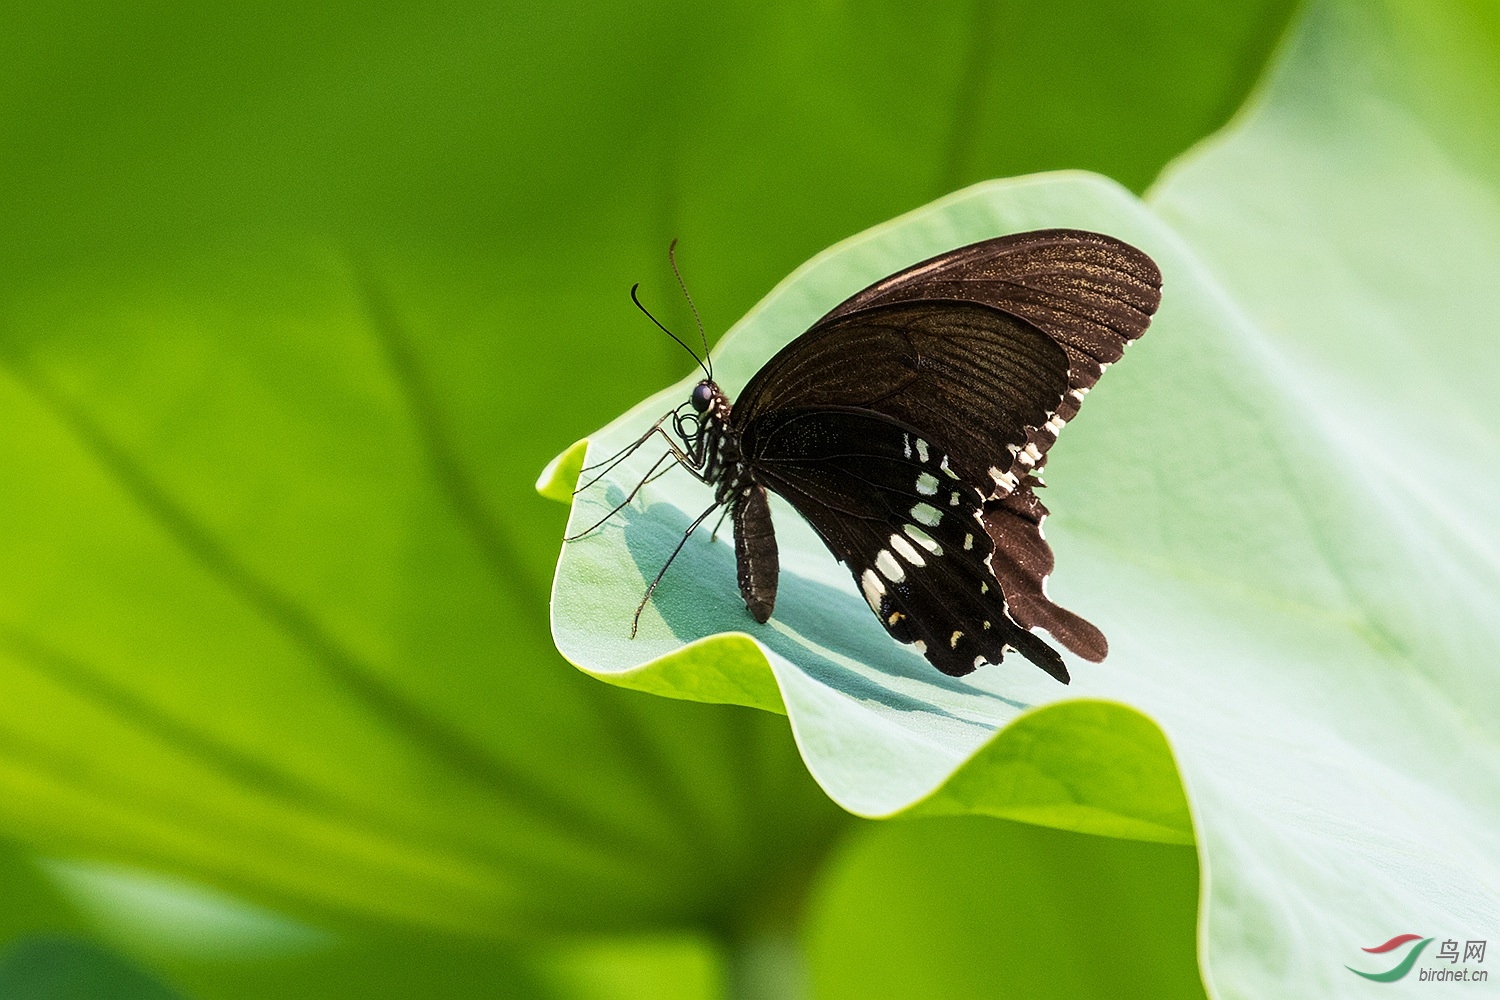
x,y
978,662
889,567
927,514
919,646
944,466
923,539
922,449
927,484
968,541
906,444
908,553
953,640
873,588
1004,479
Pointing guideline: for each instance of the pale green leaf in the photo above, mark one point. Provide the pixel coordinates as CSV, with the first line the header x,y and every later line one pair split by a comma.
x,y
1281,508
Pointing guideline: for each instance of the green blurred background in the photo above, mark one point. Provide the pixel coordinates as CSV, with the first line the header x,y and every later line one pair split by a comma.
x,y
295,302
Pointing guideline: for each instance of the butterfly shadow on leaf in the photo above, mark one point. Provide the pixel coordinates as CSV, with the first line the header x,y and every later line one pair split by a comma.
x,y
825,631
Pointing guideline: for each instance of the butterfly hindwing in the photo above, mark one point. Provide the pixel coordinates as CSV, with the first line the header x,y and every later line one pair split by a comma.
x,y
889,505
1022,563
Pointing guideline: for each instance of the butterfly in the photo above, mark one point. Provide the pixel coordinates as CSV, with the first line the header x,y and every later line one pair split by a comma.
x,y
908,427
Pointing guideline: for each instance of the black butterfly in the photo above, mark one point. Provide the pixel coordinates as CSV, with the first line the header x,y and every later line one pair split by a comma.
x,y
907,426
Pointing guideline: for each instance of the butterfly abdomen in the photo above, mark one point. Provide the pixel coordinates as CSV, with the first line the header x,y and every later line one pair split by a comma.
x,y
755,551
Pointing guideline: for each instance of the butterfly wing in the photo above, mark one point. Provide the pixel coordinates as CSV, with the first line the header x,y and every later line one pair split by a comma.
x,y
1023,561
888,505
972,377
1089,292
989,349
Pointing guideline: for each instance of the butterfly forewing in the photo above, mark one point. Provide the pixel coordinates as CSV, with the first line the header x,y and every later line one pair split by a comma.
x,y
887,503
972,377
1092,292
1089,292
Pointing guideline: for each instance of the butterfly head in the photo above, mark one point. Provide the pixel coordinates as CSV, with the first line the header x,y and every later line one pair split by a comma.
x,y
709,401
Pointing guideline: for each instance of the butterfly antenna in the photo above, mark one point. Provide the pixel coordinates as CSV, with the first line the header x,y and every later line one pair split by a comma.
x,y
672,259
669,333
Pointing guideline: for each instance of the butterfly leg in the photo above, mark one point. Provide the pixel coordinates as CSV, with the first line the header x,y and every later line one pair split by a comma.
x,y
686,459
715,536
629,449
650,476
618,457
635,623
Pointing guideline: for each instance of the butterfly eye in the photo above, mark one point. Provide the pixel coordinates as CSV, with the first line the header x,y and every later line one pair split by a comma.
x,y
703,394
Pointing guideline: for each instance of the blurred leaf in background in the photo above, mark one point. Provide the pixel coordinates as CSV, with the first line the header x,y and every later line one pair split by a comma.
x,y
295,302
44,950
63,968
980,907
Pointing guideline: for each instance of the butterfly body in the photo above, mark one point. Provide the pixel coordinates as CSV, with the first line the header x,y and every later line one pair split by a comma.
x,y
713,449
907,427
